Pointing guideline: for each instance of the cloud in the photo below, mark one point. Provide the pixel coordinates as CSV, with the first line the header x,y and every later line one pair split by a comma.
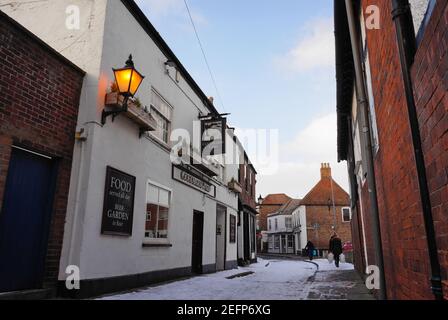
x,y
315,50
301,158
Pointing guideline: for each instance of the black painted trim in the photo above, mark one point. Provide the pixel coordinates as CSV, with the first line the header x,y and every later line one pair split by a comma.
x,y
97,287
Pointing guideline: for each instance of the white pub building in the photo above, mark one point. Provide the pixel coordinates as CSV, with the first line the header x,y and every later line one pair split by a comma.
x,y
134,217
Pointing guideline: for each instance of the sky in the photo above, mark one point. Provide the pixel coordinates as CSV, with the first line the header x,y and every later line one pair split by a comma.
x,y
274,65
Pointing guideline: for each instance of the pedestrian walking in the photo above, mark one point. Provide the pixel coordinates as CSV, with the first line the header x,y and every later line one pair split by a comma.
x,y
310,249
335,248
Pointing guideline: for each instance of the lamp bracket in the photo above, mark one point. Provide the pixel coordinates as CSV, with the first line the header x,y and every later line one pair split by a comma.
x,y
114,113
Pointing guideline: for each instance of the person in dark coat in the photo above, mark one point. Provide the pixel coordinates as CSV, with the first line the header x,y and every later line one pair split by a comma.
x,y
310,249
336,248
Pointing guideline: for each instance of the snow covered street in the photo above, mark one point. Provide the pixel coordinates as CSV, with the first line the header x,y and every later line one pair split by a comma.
x,y
271,280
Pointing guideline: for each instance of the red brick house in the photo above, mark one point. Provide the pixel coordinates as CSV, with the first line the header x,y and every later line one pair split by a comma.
x,y
401,224
40,92
327,208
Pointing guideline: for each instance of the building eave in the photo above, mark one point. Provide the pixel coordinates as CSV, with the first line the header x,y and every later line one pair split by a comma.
x,y
144,22
345,77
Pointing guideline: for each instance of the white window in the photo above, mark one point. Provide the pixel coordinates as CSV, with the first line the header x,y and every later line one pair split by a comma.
x,y
270,224
346,215
290,241
276,242
162,112
276,224
288,222
271,242
372,113
157,212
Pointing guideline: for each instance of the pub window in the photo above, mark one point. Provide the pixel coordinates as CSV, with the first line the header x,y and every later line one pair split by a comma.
x,y
271,242
290,241
288,222
162,114
276,224
276,242
346,215
270,224
157,212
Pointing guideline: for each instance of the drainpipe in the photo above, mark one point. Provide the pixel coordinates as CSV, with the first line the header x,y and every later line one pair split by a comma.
x,y
367,146
404,26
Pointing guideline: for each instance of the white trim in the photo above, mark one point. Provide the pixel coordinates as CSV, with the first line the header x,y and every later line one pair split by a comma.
x,y
350,214
32,152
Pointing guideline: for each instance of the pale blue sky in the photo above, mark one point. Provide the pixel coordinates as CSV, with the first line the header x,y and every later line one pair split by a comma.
x,y
274,66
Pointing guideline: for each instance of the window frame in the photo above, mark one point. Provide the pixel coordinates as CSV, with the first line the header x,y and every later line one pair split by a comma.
x,y
349,213
148,240
159,113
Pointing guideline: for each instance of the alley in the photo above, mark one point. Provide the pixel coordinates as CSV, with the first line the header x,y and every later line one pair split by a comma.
x,y
272,279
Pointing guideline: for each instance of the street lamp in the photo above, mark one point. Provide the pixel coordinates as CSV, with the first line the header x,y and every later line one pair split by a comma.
x,y
128,80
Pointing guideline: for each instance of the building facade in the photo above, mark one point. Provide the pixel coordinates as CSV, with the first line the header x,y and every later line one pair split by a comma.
x,y
281,237
406,90
247,208
38,112
173,217
323,211
270,204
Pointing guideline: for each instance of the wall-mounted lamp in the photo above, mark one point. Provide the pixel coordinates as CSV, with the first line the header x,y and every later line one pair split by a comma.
x,y
128,80
170,63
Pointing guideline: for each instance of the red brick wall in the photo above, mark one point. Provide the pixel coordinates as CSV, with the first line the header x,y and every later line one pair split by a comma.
x,y
249,192
325,218
39,102
430,78
403,234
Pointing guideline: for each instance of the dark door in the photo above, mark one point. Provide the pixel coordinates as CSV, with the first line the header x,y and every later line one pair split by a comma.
x,y
198,236
246,232
24,220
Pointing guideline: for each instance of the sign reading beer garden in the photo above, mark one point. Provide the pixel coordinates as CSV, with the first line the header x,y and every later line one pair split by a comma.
x,y
118,209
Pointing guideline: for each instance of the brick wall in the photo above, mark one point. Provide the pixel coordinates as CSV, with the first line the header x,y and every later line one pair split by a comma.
x,y
325,218
402,228
430,78
39,102
249,186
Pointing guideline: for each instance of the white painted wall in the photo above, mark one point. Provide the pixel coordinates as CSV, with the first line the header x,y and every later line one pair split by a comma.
x,y
104,42
281,225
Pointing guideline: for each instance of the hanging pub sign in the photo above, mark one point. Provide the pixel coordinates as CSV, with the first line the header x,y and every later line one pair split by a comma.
x,y
213,136
118,208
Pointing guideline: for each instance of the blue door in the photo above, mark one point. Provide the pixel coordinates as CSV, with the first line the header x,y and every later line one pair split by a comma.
x,y
25,219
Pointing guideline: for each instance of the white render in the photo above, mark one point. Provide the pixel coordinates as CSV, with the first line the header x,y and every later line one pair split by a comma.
x,y
108,34
299,226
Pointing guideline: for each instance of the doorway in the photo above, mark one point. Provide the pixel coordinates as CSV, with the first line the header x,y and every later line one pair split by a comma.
x,y
25,220
221,232
198,241
246,236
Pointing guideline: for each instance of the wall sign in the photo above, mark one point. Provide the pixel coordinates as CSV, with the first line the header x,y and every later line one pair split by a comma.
x,y
194,180
232,229
118,208
213,136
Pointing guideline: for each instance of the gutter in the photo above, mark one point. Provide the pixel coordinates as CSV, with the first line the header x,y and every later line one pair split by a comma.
x,y
402,17
367,145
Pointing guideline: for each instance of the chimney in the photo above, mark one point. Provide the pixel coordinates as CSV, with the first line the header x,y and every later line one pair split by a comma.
x,y
325,171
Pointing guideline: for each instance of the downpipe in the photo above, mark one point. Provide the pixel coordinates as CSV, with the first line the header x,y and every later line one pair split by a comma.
x,y
402,17
367,146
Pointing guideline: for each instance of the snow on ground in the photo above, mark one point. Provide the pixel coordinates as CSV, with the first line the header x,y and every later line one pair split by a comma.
x,y
324,265
272,280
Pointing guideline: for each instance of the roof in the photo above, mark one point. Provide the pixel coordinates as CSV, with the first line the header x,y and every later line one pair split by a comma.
x,y
323,191
275,199
141,18
345,77
288,208
41,43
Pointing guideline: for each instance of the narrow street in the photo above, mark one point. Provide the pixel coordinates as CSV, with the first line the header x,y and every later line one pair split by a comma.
x,y
270,279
